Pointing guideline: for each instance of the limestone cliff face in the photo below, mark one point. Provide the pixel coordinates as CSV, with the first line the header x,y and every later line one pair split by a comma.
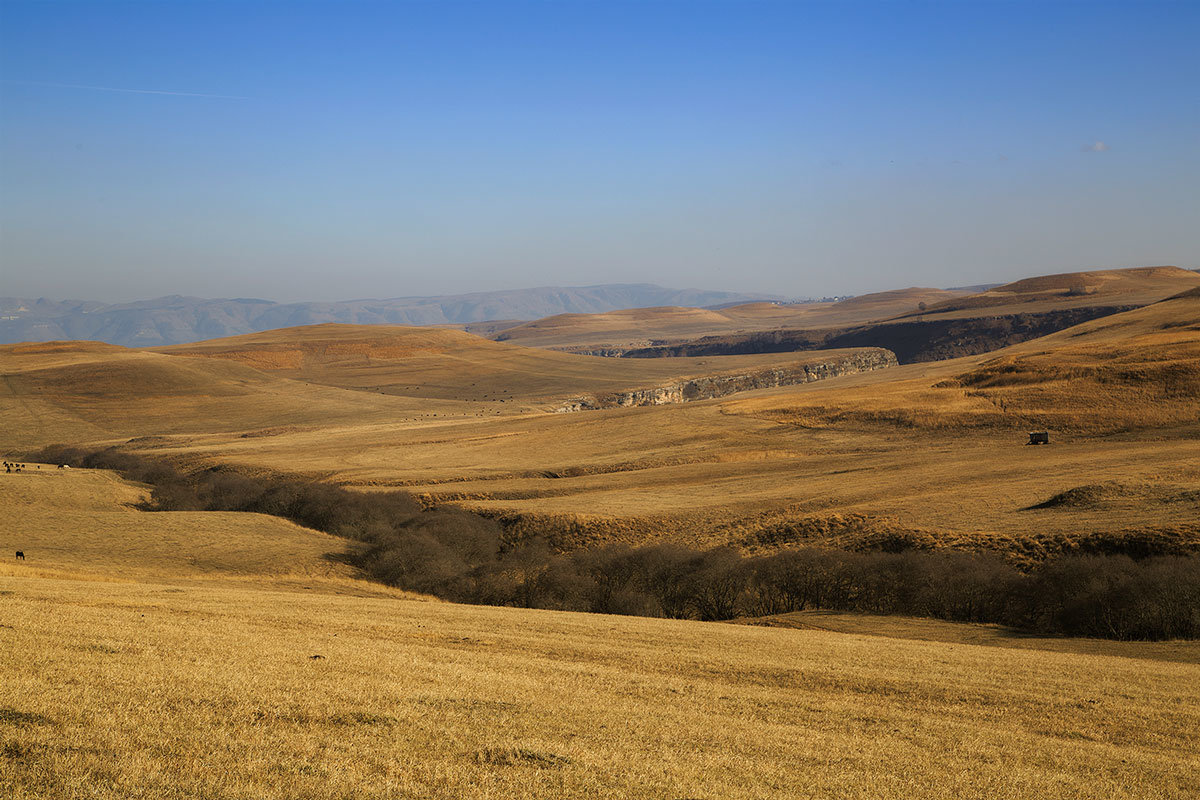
x,y
707,387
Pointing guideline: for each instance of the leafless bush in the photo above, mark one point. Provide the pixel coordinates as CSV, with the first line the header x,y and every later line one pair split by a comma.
x,y
462,556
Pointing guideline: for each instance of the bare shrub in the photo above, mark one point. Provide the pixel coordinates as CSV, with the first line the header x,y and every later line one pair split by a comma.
x,y
1119,588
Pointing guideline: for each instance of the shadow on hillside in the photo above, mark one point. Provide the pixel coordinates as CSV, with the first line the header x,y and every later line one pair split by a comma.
x,y
972,633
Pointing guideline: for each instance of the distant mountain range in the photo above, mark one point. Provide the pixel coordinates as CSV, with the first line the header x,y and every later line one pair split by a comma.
x,y
177,320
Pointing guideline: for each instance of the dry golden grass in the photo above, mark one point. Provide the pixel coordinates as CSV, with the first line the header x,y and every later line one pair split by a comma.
x,y
295,380
119,691
84,523
1134,371
85,392
484,376
936,447
1138,286
199,680
640,327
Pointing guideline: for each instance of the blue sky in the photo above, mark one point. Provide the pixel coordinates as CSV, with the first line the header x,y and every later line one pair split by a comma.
x,y
333,150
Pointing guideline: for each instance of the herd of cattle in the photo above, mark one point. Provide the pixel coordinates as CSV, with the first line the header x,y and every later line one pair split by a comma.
x,y
10,467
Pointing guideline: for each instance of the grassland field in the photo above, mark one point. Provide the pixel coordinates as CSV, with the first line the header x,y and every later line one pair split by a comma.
x,y
231,655
937,447
165,673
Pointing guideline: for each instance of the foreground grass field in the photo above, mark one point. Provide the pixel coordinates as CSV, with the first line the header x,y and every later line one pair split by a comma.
x,y
158,690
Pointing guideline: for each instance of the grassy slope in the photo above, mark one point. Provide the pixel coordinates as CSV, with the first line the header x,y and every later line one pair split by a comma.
x,y
913,444
87,391
452,365
195,679
1114,287
936,446
640,327
1137,370
85,522
139,690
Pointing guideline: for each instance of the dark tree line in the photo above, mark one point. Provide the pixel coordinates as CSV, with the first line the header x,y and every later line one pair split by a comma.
x,y
461,556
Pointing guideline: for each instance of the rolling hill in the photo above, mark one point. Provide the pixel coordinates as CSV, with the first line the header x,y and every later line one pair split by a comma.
x,y
1138,369
88,391
453,365
641,327
317,377
916,324
911,448
933,451
1137,286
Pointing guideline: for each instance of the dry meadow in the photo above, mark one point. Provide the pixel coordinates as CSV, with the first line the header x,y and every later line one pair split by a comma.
x,y
936,448
178,690
236,655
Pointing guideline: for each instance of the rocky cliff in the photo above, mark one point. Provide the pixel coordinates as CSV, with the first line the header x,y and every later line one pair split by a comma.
x,y
706,387
911,341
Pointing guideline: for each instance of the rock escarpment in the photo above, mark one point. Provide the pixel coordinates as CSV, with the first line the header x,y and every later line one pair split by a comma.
x,y
918,340
706,387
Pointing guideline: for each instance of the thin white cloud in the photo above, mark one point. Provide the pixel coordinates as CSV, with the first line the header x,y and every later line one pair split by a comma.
x,y
130,91
1095,147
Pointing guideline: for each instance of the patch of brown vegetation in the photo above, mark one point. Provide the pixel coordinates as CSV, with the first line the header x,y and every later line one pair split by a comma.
x,y
1115,494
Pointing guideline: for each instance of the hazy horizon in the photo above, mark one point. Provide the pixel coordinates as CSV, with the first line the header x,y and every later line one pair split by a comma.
x,y
321,152
781,297
513,290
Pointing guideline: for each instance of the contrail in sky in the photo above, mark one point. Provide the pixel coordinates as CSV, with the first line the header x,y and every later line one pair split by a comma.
x,y
131,91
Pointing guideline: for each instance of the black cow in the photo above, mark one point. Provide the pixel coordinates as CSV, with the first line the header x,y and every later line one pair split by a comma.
x,y
20,556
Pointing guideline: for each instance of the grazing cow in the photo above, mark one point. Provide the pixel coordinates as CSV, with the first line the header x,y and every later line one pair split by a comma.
x,y
20,556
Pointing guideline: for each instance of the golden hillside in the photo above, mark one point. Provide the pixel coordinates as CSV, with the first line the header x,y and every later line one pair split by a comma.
x,y
936,448
1136,286
218,663
1048,294
640,327
86,523
226,691
87,392
453,365
1125,372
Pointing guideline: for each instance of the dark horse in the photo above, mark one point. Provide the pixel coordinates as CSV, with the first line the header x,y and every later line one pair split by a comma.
x,y
20,556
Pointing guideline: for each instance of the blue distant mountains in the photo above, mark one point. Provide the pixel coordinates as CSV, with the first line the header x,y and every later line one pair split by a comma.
x,y
176,319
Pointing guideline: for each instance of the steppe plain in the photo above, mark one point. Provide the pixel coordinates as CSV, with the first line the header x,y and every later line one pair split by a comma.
x,y
172,654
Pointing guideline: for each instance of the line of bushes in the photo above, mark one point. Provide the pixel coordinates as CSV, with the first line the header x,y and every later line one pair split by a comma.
x,y
460,556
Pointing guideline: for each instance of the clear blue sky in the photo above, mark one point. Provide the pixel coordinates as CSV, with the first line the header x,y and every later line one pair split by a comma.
x,y
357,149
